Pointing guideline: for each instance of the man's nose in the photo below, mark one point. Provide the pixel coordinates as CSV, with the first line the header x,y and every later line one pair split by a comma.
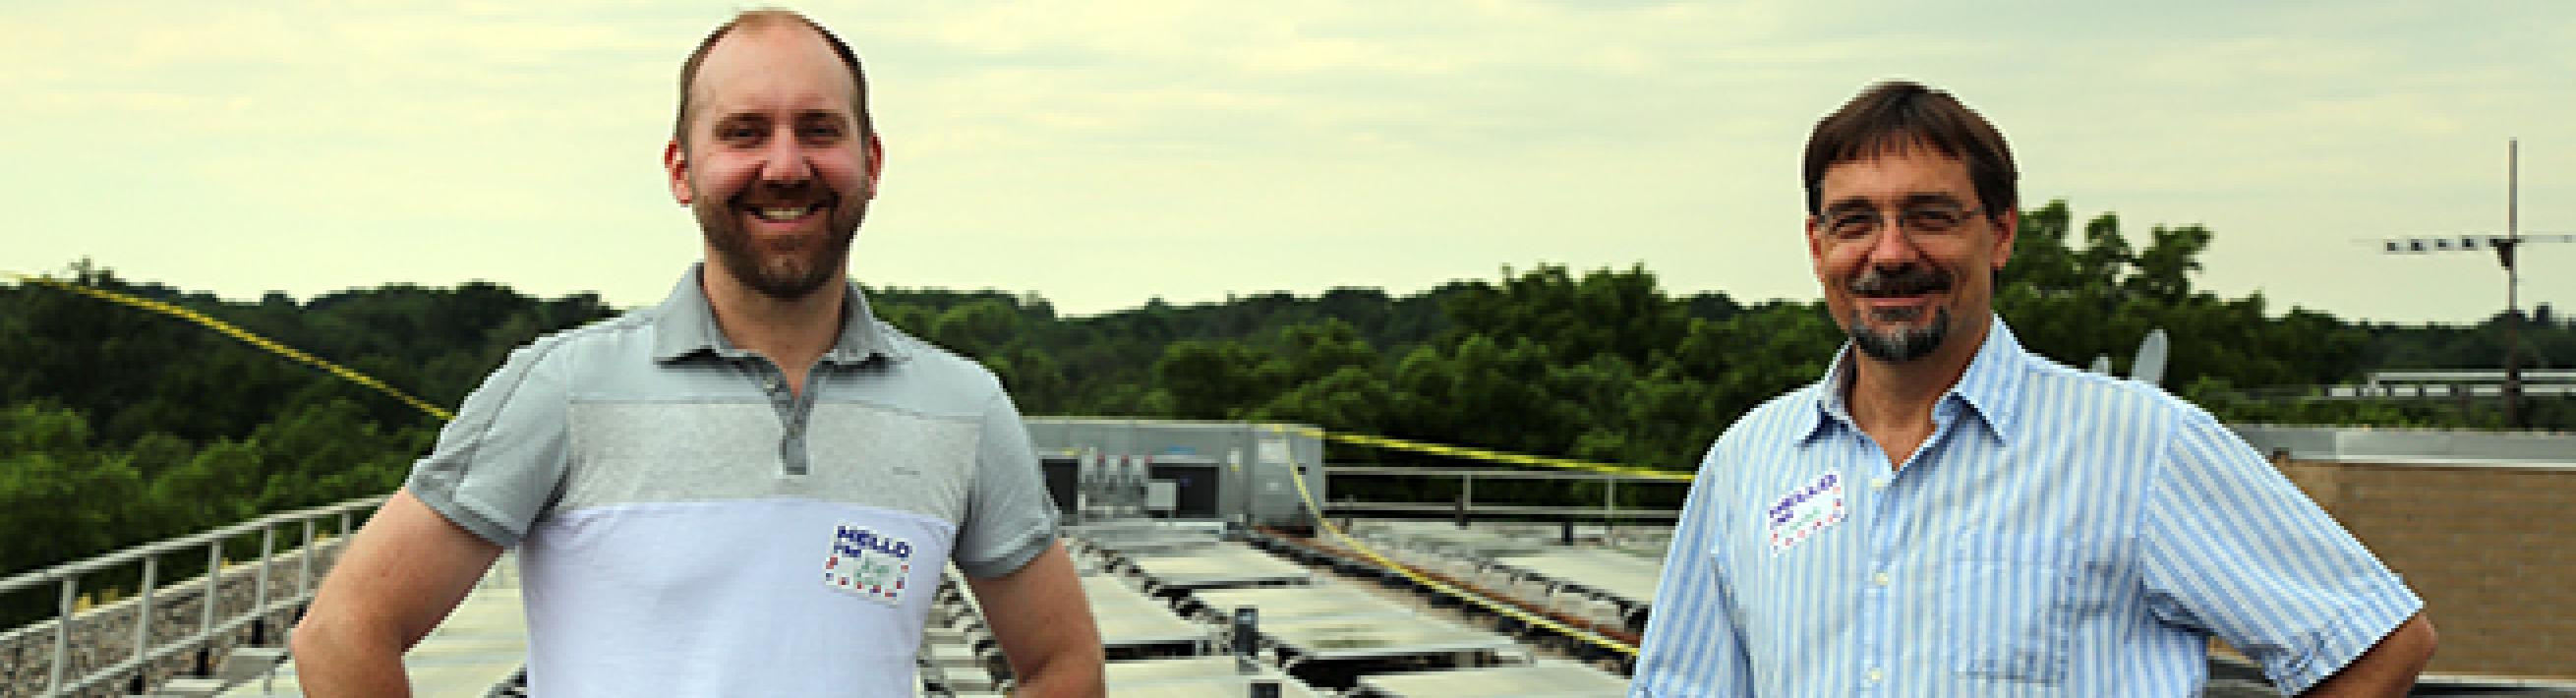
x,y
784,161
1893,246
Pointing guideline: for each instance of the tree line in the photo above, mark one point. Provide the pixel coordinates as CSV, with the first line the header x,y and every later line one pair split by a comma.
x,y
119,426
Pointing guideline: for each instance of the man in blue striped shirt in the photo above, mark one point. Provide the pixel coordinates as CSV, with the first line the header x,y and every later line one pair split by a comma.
x,y
1947,514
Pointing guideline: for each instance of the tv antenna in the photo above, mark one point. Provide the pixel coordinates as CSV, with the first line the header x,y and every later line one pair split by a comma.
x,y
2504,245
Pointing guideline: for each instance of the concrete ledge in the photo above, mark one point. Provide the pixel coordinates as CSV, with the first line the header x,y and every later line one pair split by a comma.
x,y
246,663
188,688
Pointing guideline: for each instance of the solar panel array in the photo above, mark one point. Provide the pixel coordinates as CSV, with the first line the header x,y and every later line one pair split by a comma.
x,y
1167,596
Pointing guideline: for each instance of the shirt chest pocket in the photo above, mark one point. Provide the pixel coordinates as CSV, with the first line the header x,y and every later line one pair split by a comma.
x,y
877,456
2012,605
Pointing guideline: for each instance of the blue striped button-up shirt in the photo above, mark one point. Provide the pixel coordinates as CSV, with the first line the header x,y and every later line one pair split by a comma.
x,y
2060,533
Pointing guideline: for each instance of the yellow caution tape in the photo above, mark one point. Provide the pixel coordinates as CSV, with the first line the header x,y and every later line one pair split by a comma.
x,y
246,336
271,346
1506,610
1494,456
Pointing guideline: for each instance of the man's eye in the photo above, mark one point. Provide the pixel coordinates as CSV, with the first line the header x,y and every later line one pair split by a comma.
x,y
821,133
1852,224
735,133
1933,220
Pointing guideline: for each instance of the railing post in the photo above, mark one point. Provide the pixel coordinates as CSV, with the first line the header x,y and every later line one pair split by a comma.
x,y
1610,507
259,589
1466,496
304,562
206,592
341,544
63,634
143,611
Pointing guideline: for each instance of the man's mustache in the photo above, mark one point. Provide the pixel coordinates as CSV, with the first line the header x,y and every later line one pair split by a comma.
x,y
1908,280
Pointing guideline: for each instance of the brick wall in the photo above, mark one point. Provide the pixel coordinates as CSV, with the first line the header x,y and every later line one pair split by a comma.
x,y
2492,549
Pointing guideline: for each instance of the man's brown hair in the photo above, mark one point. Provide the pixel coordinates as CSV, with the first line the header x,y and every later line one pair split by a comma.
x,y
1895,115
772,17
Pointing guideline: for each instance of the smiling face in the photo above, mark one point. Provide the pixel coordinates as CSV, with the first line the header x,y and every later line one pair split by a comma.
x,y
775,162
1905,255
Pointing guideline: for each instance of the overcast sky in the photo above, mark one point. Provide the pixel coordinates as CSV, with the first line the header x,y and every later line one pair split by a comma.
x,y
1104,153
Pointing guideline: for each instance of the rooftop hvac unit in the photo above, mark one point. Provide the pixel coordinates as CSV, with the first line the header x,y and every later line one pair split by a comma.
x,y
1231,471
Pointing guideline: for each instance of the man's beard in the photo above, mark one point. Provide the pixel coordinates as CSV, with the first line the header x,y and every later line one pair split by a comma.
x,y
1901,343
786,276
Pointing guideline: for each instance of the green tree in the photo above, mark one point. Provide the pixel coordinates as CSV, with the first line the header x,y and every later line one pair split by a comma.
x,y
2041,260
59,497
2106,256
1619,313
2164,270
1210,379
220,485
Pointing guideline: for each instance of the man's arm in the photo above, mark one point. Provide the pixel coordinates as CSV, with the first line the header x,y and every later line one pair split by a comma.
x,y
2388,669
401,574
1045,626
2232,548
1692,647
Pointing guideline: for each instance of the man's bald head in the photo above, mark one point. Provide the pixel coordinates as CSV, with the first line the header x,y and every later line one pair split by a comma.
x,y
771,18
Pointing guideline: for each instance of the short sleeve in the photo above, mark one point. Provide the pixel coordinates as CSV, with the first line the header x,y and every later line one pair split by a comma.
x,y
498,463
1692,646
1009,517
2234,549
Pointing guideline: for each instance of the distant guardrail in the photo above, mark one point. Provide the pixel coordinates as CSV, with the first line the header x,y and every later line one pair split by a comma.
x,y
2439,385
1465,508
146,638
2444,447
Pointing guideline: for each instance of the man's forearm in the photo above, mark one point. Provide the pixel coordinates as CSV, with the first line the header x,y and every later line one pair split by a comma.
x,y
2388,669
329,664
1045,627
1068,672
1068,681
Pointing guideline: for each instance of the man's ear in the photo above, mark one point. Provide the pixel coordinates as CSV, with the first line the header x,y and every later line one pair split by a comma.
x,y
676,163
2006,231
876,163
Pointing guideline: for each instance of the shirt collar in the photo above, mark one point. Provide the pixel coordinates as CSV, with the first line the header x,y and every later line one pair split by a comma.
x,y
1991,387
685,325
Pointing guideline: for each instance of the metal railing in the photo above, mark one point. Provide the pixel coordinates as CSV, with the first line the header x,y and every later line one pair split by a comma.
x,y
2457,385
63,678
1465,508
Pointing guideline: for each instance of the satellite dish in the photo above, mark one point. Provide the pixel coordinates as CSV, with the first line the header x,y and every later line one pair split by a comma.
x,y
2149,367
2102,365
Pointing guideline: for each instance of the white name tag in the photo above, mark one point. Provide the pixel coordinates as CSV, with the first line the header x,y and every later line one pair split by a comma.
x,y
1805,512
867,563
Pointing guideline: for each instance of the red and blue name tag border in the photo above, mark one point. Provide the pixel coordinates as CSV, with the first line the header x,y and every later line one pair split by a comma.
x,y
867,563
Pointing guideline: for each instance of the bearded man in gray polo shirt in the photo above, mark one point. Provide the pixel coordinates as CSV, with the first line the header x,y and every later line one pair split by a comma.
x,y
749,489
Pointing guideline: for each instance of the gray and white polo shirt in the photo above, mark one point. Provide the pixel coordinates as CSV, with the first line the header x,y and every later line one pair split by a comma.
x,y
689,526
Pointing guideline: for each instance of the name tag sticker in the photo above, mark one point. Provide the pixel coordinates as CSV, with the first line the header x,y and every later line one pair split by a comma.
x,y
867,563
1805,512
